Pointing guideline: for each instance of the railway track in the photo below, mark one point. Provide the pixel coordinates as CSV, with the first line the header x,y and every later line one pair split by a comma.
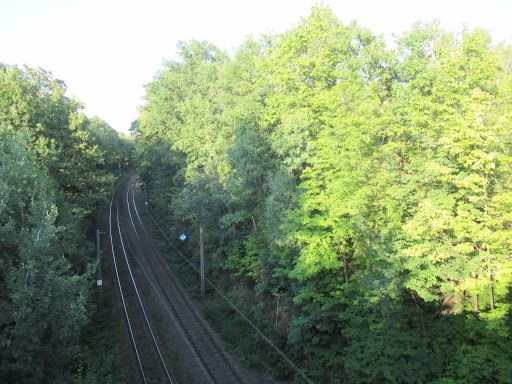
x,y
150,283
151,363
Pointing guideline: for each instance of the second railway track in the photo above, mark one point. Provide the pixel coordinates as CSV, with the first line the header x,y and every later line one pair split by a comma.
x,y
154,285
152,366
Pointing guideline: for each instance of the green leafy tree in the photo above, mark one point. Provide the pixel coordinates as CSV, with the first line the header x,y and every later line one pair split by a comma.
x,y
367,188
43,302
52,178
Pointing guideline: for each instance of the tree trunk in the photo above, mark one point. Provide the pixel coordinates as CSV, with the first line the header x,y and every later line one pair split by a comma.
x,y
475,296
491,293
420,314
254,224
475,302
277,311
345,269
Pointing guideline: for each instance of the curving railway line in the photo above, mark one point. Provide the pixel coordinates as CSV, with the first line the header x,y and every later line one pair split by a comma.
x,y
157,310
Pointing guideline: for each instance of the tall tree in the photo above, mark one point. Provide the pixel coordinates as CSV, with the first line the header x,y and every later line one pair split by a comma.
x,y
367,189
43,303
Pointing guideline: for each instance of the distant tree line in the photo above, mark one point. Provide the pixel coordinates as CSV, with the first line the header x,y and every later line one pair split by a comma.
x,y
57,169
368,188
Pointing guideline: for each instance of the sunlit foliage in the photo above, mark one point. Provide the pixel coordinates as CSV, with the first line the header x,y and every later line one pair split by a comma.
x,y
369,186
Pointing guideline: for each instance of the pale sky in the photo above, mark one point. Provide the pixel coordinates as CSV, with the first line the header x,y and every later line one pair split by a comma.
x,y
106,50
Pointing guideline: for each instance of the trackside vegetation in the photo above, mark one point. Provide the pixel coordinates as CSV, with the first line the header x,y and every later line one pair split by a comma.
x,y
57,169
356,199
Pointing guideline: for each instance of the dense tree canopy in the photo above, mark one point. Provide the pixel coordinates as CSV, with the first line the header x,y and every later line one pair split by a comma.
x,y
56,169
370,187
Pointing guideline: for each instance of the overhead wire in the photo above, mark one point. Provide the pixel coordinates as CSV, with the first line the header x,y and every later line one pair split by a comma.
x,y
140,302
230,303
180,329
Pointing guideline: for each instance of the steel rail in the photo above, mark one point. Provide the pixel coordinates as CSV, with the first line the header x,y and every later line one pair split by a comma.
x,y
134,284
134,343
232,305
165,304
221,353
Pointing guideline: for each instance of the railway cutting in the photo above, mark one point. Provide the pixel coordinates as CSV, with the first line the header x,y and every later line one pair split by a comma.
x,y
163,324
